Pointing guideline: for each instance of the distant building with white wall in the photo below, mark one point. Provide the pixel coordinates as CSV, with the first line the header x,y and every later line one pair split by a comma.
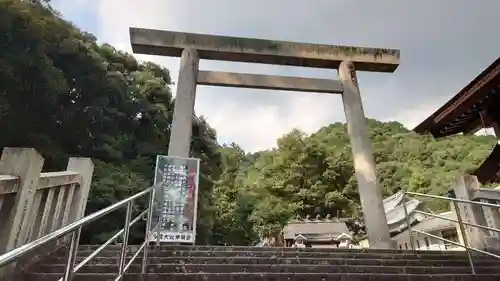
x,y
435,226
396,219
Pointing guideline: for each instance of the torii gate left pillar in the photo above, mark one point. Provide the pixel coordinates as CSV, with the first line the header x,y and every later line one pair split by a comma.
x,y
364,163
180,141
192,47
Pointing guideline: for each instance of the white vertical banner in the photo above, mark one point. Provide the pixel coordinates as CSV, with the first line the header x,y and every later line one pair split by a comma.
x,y
176,200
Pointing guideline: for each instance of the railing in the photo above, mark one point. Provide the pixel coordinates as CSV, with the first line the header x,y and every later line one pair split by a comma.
x,y
459,220
33,203
75,228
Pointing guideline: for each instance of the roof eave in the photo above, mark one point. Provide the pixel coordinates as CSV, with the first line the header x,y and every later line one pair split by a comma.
x,y
435,121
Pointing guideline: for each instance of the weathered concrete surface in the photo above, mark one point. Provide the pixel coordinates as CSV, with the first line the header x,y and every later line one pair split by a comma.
x,y
85,168
26,164
181,132
246,276
337,261
10,184
170,43
32,203
464,187
272,268
364,163
225,249
276,264
269,82
299,254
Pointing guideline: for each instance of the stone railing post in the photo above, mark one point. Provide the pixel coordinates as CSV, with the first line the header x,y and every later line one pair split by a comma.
x,y
470,213
491,215
85,168
26,164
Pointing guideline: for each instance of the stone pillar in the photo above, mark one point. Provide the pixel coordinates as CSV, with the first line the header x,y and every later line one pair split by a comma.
x,y
181,130
492,216
85,168
26,164
364,163
471,213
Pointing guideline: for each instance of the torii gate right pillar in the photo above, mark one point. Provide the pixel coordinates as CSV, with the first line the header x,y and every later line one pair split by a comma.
x,y
364,163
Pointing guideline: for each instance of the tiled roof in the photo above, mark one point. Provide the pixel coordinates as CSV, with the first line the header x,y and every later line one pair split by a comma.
x,y
430,224
395,213
315,230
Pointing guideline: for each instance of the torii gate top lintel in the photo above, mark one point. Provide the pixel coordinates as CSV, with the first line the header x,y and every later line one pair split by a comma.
x,y
225,48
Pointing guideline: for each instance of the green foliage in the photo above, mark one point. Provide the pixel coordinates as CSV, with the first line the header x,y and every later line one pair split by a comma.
x,y
310,175
65,95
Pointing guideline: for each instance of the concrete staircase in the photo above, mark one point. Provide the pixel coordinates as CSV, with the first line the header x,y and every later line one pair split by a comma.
x,y
215,263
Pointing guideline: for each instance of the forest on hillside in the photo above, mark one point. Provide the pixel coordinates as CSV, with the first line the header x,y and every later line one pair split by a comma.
x,y
64,94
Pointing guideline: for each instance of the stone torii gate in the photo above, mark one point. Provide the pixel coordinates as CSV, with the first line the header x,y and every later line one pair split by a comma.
x,y
193,47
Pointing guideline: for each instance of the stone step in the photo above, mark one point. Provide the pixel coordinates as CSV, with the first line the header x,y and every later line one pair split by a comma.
x,y
267,260
278,249
296,268
270,277
273,254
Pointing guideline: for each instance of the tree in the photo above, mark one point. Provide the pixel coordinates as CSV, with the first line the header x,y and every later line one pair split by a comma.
x,y
66,95
313,174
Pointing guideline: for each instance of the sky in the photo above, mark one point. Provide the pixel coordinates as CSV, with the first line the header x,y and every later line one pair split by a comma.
x,y
444,44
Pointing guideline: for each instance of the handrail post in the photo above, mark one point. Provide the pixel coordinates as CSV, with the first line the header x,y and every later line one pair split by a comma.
x,y
148,229
159,217
73,249
462,230
125,240
408,223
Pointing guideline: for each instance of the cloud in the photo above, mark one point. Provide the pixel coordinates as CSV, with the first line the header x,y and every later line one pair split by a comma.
x,y
257,128
444,44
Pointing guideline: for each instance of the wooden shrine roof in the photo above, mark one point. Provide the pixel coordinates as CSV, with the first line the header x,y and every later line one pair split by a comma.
x,y
467,112
461,114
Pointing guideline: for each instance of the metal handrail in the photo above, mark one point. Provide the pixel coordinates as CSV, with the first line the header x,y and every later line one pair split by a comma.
x,y
453,199
456,244
75,228
459,220
452,220
110,240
